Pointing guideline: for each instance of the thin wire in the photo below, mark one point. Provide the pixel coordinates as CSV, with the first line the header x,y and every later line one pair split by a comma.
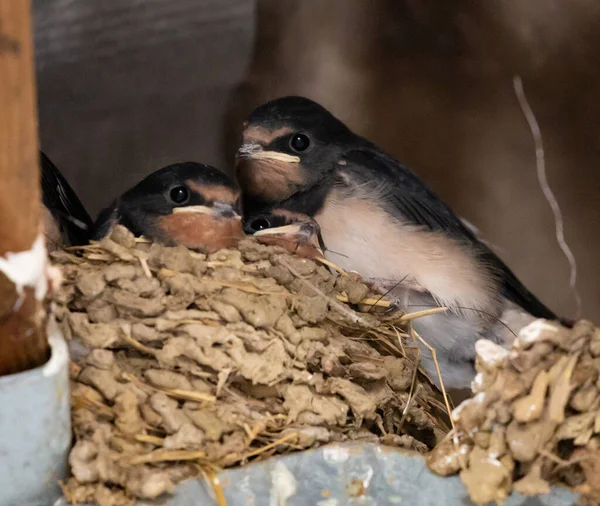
x,y
498,320
386,293
490,315
543,181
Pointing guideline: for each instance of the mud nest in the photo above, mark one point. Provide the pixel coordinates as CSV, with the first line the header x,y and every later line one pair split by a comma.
x,y
534,420
185,364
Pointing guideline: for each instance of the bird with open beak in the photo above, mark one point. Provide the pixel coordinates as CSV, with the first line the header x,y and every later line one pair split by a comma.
x,y
186,204
296,232
385,223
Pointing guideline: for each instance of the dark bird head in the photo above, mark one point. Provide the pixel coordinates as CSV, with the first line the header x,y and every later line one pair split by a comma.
x,y
296,232
185,204
289,146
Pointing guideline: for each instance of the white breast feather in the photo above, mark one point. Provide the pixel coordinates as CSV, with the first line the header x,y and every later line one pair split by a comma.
x,y
362,237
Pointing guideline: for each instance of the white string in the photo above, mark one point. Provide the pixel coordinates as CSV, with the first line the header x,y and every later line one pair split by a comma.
x,y
543,181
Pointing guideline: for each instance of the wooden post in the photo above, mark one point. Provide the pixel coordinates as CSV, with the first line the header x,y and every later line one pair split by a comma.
x,y
23,342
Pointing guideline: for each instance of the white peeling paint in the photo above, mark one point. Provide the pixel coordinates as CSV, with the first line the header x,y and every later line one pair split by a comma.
x,y
335,455
368,477
28,268
284,485
60,353
328,502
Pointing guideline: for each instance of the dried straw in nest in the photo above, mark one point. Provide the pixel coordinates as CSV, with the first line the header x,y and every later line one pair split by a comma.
x,y
534,420
185,364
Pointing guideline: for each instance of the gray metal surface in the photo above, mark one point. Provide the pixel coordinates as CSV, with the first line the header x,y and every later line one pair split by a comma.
x,y
35,430
338,475
359,474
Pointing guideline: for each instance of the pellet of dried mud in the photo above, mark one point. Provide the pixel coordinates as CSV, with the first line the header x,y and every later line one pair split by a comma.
x,y
184,362
534,420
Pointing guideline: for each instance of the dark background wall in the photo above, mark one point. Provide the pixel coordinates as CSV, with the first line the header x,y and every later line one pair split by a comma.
x,y
126,87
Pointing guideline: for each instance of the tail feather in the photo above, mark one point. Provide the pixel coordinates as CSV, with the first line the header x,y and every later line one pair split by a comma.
x,y
61,200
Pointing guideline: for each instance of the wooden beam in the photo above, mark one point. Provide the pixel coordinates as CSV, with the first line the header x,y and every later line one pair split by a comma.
x,y
23,343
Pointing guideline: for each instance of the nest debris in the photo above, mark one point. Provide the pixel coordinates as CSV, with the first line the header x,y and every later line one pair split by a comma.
x,y
534,420
184,364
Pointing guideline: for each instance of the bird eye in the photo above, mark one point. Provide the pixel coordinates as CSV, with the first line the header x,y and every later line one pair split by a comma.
x,y
299,142
260,224
179,195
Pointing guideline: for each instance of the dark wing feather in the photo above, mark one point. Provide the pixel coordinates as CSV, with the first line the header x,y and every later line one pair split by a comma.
x,y
66,208
105,220
415,201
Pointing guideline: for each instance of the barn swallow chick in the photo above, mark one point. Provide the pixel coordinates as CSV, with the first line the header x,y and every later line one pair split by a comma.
x,y
384,223
64,218
186,204
298,233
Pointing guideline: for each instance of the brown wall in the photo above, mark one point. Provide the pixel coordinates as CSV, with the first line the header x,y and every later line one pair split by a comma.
x,y
429,81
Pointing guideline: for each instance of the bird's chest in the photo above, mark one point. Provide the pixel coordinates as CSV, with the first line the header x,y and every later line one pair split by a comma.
x,y
361,236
